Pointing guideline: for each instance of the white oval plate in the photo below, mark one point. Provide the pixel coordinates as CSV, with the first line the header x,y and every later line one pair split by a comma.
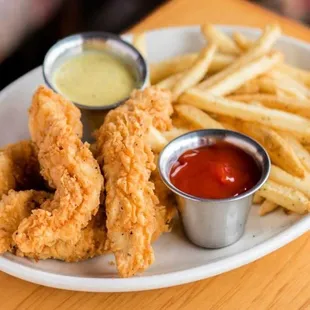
x,y
177,260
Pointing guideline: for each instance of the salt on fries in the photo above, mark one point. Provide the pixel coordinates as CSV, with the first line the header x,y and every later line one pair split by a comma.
x,y
287,197
246,86
273,118
280,102
301,152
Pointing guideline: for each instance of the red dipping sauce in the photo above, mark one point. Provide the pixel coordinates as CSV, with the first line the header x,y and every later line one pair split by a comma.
x,y
216,171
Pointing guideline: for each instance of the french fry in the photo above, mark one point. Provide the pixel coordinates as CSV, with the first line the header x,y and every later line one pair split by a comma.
x,y
280,102
164,69
174,133
298,74
301,152
156,140
242,41
260,48
286,197
273,118
279,150
220,62
196,73
170,81
267,85
225,44
249,87
180,122
245,73
267,207
289,85
177,64
229,126
198,118
257,199
139,42
282,177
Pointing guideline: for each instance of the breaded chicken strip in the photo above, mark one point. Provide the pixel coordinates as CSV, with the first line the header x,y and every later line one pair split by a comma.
x,y
19,168
93,242
130,200
14,207
68,165
156,102
127,162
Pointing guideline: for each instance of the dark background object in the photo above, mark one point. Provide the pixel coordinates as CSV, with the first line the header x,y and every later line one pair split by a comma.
x,y
71,17
116,16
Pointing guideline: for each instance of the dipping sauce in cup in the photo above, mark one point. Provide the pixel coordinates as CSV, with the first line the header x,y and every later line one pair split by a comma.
x,y
216,171
95,78
214,174
96,71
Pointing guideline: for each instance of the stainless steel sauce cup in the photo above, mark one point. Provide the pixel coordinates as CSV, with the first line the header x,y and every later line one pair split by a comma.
x,y
213,223
92,116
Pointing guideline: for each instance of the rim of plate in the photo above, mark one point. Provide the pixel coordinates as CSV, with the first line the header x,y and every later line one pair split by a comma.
x,y
142,283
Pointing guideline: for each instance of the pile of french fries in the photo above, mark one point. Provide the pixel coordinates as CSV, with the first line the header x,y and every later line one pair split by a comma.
x,y
244,85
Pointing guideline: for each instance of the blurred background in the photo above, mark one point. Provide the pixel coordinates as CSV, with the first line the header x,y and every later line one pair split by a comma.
x,y
29,27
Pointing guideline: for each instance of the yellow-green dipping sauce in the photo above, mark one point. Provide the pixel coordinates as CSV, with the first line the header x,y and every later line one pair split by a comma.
x,y
94,79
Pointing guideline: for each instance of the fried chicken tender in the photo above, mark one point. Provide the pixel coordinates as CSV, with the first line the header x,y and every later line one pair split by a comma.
x,y
14,207
68,165
19,168
156,102
127,162
130,199
93,242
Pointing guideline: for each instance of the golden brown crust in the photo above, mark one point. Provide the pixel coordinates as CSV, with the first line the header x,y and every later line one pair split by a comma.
x,y
133,211
68,165
14,207
127,163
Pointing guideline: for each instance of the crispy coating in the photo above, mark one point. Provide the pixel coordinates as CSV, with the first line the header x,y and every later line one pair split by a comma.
x,y
127,162
14,207
156,102
19,168
93,242
130,200
54,105
68,165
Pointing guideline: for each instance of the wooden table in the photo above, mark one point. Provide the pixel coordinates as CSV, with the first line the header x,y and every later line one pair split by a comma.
x,y
280,280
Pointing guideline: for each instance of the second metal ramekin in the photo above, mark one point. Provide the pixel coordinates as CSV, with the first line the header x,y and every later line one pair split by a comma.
x,y
213,223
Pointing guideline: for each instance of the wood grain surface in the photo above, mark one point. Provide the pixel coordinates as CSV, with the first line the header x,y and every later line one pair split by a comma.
x,y
280,280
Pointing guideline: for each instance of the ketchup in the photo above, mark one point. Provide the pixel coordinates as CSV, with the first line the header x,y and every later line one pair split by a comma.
x,y
216,171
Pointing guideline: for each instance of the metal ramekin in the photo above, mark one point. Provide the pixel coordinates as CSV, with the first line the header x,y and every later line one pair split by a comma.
x,y
213,223
76,44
